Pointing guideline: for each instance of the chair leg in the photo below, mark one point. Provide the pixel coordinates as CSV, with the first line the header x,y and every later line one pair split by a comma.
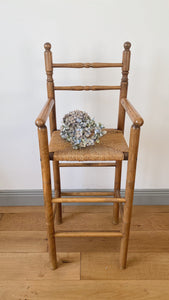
x,y
56,174
117,184
131,172
47,192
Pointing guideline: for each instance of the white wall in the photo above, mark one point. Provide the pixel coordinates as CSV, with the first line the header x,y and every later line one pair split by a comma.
x,y
86,31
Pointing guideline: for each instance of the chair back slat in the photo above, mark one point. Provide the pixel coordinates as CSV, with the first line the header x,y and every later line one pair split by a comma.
x,y
88,65
87,88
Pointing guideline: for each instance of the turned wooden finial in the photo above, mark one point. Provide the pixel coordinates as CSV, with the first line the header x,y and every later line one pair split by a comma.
x,y
127,46
47,46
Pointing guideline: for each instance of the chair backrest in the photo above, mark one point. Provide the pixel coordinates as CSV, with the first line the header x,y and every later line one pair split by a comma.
x,y
51,88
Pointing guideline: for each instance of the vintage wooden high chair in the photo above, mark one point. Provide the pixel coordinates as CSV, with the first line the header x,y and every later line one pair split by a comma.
x,y
112,147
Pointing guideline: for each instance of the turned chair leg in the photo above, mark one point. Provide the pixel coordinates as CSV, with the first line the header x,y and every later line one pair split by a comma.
x,y
130,181
117,184
58,206
47,192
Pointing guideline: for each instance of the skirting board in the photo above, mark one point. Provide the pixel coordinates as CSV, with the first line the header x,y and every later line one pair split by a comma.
x,y
35,197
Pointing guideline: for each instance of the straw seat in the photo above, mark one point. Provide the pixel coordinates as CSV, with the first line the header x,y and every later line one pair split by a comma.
x,y
112,146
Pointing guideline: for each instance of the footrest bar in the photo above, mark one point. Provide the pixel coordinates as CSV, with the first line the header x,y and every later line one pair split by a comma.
x,y
89,234
88,200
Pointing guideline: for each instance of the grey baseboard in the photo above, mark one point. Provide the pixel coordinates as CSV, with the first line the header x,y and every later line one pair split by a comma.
x,y
35,197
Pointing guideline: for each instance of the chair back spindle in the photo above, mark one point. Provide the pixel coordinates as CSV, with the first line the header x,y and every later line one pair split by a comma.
x,y
50,84
124,84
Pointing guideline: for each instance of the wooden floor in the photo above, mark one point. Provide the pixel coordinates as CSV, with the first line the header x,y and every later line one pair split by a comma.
x,y
88,267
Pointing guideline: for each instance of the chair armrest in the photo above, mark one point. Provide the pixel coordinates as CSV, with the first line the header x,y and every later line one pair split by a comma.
x,y
133,114
44,114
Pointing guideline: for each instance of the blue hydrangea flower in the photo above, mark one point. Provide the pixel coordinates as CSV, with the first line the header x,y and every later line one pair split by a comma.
x,y
80,130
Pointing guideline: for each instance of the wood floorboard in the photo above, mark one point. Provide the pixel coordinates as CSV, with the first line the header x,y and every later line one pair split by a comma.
x,y
35,266
140,266
21,209
140,241
143,219
141,209
137,209
23,241
36,241
85,289
30,221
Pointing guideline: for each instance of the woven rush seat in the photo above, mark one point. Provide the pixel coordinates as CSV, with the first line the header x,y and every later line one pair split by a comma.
x,y
112,146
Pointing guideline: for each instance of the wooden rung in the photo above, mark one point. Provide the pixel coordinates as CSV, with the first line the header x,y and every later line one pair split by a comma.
x,y
89,234
87,164
88,65
91,193
88,200
87,87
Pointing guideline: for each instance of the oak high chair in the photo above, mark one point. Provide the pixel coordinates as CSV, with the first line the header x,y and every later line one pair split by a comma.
x,y
112,147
